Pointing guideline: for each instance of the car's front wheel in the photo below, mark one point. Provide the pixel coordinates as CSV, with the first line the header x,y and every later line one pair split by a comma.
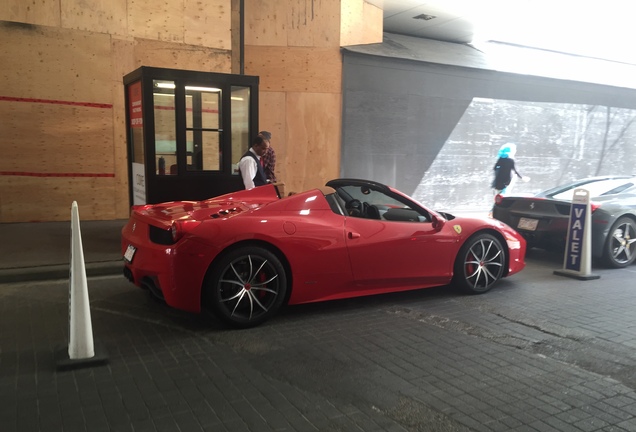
x,y
620,246
479,264
246,287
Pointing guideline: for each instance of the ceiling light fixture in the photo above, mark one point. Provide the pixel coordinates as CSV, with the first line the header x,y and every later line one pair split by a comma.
x,y
171,86
424,17
204,89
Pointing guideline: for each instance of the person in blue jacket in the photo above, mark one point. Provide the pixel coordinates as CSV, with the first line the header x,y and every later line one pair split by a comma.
x,y
504,167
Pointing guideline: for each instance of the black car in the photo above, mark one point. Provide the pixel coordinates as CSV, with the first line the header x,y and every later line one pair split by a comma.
x,y
543,218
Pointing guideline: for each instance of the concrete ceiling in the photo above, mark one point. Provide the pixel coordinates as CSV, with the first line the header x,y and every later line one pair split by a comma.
x,y
583,27
441,20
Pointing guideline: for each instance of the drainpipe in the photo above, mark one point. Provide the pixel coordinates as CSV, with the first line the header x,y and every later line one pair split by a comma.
x,y
242,36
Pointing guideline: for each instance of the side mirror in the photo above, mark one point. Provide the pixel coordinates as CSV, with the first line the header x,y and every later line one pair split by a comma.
x,y
437,223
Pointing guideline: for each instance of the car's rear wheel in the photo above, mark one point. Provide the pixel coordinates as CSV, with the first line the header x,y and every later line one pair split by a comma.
x,y
479,264
246,286
620,246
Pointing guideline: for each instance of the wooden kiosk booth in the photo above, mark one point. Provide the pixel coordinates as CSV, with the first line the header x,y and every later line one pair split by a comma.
x,y
187,131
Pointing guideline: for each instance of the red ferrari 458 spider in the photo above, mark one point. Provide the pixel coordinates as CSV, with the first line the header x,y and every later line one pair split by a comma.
x,y
243,255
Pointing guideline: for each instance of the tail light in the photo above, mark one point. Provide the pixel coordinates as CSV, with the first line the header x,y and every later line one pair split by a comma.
x,y
498,199
177,231
594,206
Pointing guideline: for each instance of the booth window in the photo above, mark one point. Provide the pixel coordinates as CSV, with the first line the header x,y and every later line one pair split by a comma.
x,y
203,131
240,106
165,127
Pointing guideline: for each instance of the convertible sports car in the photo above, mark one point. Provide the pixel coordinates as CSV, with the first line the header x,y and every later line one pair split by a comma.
x,y
543,218
241,256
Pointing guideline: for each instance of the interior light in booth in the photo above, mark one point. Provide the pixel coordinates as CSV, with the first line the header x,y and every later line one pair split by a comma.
x,y
170,95
171,86
236,98
208,89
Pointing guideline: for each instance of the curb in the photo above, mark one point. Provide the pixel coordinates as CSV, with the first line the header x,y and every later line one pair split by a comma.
x,y
52,272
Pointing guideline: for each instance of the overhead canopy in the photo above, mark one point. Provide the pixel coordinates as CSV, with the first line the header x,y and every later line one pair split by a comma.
x,y
504,58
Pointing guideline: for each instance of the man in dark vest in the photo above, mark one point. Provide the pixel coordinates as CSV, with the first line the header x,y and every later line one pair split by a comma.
x,y
250,166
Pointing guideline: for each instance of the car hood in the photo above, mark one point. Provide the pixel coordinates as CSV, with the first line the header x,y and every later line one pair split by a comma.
x,y
224,206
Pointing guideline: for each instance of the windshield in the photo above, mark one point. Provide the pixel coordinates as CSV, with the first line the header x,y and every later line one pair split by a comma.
x,y
365,202
597,188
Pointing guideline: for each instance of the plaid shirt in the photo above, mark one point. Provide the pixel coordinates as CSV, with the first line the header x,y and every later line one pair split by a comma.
x,y
269,164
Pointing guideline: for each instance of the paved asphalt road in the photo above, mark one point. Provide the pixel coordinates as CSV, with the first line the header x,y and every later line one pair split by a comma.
x,y
540,352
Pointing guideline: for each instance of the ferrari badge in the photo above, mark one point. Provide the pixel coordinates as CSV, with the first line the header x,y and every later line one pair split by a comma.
x,y
458,229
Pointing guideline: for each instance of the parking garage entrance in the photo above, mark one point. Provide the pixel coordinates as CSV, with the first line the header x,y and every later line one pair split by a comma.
x,y
186,132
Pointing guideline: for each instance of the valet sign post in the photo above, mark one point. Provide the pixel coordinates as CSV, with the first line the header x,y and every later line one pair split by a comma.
x,y
577,262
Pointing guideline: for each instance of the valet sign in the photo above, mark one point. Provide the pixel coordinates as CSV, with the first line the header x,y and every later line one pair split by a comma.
x,y
577,261
576,230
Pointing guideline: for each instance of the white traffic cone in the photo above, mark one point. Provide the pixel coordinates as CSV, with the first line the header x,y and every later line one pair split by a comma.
x,y
80,344
81,348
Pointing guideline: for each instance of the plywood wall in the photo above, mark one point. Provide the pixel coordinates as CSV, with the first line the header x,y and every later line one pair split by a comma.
x,y
38,12
92,15
56,136
295,68
123,62
360,23
63,135
313,141
294,46
193,22
53,63
53,197
272,109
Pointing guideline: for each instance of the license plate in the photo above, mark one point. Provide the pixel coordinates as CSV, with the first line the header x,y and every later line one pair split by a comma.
x,y
528,224
130,253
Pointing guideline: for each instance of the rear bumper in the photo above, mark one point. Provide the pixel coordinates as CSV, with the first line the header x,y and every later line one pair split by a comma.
x,y
173,272
547,239
551,233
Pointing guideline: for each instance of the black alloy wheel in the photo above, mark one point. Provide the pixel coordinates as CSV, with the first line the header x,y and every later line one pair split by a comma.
x,y
620,246
479,264
246,287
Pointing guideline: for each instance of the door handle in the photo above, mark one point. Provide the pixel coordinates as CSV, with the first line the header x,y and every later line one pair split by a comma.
x,y
353,235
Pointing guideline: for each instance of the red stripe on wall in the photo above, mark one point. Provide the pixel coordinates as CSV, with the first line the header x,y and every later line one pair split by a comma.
x,y
56,102
32,174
